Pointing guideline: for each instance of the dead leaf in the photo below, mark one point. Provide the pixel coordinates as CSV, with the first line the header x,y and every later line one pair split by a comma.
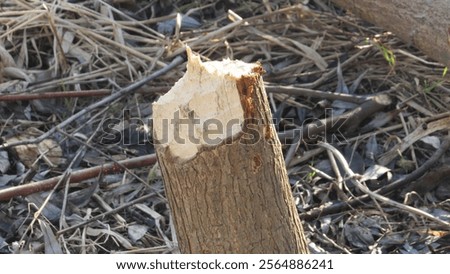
x,y
16,73
372,148
358,236
374,172
52,245
136,232
432,141
4,161
6,58
98,232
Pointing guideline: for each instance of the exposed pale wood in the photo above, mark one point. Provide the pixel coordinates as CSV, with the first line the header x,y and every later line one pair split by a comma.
x,y
231,195
424,24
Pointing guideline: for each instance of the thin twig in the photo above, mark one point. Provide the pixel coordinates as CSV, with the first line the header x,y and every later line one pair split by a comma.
x,y
306,92
53,95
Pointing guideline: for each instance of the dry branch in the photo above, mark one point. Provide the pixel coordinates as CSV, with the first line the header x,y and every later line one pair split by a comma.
x,y
396,185
77,176
347,121
53,95
373,195
420,132
306,92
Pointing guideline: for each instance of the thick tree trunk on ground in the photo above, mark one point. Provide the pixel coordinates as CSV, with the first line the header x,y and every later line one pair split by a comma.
x,y
424,24
222,163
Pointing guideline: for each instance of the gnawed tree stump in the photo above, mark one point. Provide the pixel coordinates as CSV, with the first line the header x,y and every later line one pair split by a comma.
x,y
222,163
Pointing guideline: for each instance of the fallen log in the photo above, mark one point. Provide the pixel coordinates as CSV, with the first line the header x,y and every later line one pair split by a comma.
x,y
222,163
424,24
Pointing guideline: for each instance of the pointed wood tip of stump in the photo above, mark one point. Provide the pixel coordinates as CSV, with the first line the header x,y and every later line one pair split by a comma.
x,y
203,108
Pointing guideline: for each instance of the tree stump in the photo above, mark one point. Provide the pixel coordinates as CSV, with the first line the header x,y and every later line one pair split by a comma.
x,y
222,162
